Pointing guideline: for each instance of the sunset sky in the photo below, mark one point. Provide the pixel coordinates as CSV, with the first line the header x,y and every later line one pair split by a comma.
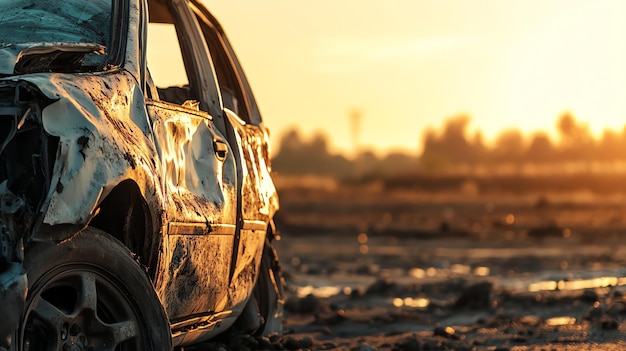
x,y
410,64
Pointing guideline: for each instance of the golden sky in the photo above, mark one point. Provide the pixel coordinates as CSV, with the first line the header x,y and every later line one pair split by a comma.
x,y
410,64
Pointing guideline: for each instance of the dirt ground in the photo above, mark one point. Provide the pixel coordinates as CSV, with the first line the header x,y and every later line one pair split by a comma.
x,y
369,269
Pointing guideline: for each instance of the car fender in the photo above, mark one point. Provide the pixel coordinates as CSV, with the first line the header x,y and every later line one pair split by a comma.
x,y
104,138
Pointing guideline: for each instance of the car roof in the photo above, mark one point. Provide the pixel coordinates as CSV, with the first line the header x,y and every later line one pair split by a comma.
x,y
159,12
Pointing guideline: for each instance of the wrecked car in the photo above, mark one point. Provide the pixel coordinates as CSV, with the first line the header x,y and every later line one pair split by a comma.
x,y
133,215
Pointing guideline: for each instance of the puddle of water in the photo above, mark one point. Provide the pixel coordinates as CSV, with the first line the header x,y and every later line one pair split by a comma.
x,y
542,286
557,321
320,291
457,269
482,271
419,302
578,284
460,269
420,273
345,283
417,273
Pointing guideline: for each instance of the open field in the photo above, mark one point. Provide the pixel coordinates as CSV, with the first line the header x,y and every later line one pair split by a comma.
x,y
375,269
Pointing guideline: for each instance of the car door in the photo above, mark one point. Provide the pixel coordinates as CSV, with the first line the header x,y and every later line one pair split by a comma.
x,y
258,200
198,170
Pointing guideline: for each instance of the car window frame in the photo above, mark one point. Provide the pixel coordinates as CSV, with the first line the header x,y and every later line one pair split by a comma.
x,y
249,102
120,13
198,64
223,62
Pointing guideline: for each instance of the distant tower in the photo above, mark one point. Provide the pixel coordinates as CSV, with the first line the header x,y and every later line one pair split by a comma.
x,y
355,127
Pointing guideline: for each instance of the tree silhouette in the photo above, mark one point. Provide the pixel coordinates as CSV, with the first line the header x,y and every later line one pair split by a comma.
x,y
297,157
540,149
452,149
576,140
509,147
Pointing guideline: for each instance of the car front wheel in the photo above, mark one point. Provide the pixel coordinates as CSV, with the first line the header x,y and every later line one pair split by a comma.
x,y
88,293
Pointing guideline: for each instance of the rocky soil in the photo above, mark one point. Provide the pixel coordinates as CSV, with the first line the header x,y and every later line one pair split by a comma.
x,y
372,270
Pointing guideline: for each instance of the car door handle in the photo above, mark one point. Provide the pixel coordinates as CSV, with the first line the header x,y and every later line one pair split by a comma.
x,y
221,149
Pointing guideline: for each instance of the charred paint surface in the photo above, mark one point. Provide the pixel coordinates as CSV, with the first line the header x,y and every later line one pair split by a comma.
x,y
201,188
197,274
259,198
86,118
246,272
259,204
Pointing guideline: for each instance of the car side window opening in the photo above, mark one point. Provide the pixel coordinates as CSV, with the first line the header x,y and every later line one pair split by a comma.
x,y
166,64
232,93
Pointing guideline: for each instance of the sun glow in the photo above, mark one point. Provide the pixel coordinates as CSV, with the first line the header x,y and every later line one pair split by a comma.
x,y
408,65
553,72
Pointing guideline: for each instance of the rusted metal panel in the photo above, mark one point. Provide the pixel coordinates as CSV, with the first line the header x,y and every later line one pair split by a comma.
x,y
200,186
90,113
197,275
259,204
246,272
260,200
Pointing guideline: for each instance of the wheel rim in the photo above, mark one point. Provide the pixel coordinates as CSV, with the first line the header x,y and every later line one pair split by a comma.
x,y
81,308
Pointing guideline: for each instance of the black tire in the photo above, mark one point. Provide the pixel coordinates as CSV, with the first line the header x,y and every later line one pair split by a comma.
x,y
88,293
269,292
263,314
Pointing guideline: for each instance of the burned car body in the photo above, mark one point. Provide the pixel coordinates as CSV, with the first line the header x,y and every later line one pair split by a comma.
x,y
132,216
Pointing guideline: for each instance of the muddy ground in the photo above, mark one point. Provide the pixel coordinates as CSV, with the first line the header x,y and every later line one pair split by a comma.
x,y
369,269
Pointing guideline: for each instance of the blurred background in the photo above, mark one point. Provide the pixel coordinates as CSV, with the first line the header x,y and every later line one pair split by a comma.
x,y
468,97
450,163
367,76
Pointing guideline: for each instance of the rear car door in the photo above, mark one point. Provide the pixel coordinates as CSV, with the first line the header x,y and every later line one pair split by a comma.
x,y
258,200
